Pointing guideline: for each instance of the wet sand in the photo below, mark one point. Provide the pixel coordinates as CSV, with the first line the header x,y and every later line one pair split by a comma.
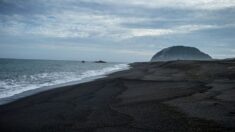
x,y
180,96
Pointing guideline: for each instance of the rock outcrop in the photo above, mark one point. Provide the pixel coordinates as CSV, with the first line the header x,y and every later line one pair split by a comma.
x,y
180,53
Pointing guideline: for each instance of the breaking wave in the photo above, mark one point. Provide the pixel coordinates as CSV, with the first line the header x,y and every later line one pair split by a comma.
x,y
10,87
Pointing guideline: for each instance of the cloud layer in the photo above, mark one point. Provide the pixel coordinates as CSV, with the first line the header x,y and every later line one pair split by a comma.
x,y
130,27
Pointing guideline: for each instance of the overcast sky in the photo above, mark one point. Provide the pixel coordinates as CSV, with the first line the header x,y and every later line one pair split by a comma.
x,y
114,30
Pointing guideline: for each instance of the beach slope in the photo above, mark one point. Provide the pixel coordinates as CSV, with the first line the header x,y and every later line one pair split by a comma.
x,y
195,96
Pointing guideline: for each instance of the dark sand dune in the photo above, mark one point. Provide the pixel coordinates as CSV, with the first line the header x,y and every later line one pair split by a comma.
x,y
195,96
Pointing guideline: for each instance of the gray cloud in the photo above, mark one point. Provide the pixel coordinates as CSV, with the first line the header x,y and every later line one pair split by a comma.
x,y
129,27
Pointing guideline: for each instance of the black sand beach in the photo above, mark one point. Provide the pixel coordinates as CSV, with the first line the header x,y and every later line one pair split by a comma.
x,y
191,96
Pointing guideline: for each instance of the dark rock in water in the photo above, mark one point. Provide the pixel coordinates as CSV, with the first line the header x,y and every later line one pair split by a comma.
x,y
180,53
100,61
83,61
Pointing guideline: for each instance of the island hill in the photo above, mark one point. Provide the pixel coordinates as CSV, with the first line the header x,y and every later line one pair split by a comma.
x,y
180,53
162,96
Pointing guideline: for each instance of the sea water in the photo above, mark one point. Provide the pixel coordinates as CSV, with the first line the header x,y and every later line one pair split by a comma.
x,y
18,75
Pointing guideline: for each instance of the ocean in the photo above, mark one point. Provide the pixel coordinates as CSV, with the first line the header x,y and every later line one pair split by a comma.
x,y
18,76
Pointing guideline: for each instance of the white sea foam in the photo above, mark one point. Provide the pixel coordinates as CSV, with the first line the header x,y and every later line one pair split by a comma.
x,y
10,88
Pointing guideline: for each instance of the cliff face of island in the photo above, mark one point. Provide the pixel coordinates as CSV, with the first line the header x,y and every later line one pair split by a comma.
x,y
180,53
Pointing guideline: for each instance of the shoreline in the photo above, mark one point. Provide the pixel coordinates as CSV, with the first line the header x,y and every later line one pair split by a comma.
x,y
39,90
32,92
162,96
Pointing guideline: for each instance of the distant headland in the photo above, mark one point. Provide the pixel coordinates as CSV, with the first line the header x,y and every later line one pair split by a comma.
x,y
180,53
